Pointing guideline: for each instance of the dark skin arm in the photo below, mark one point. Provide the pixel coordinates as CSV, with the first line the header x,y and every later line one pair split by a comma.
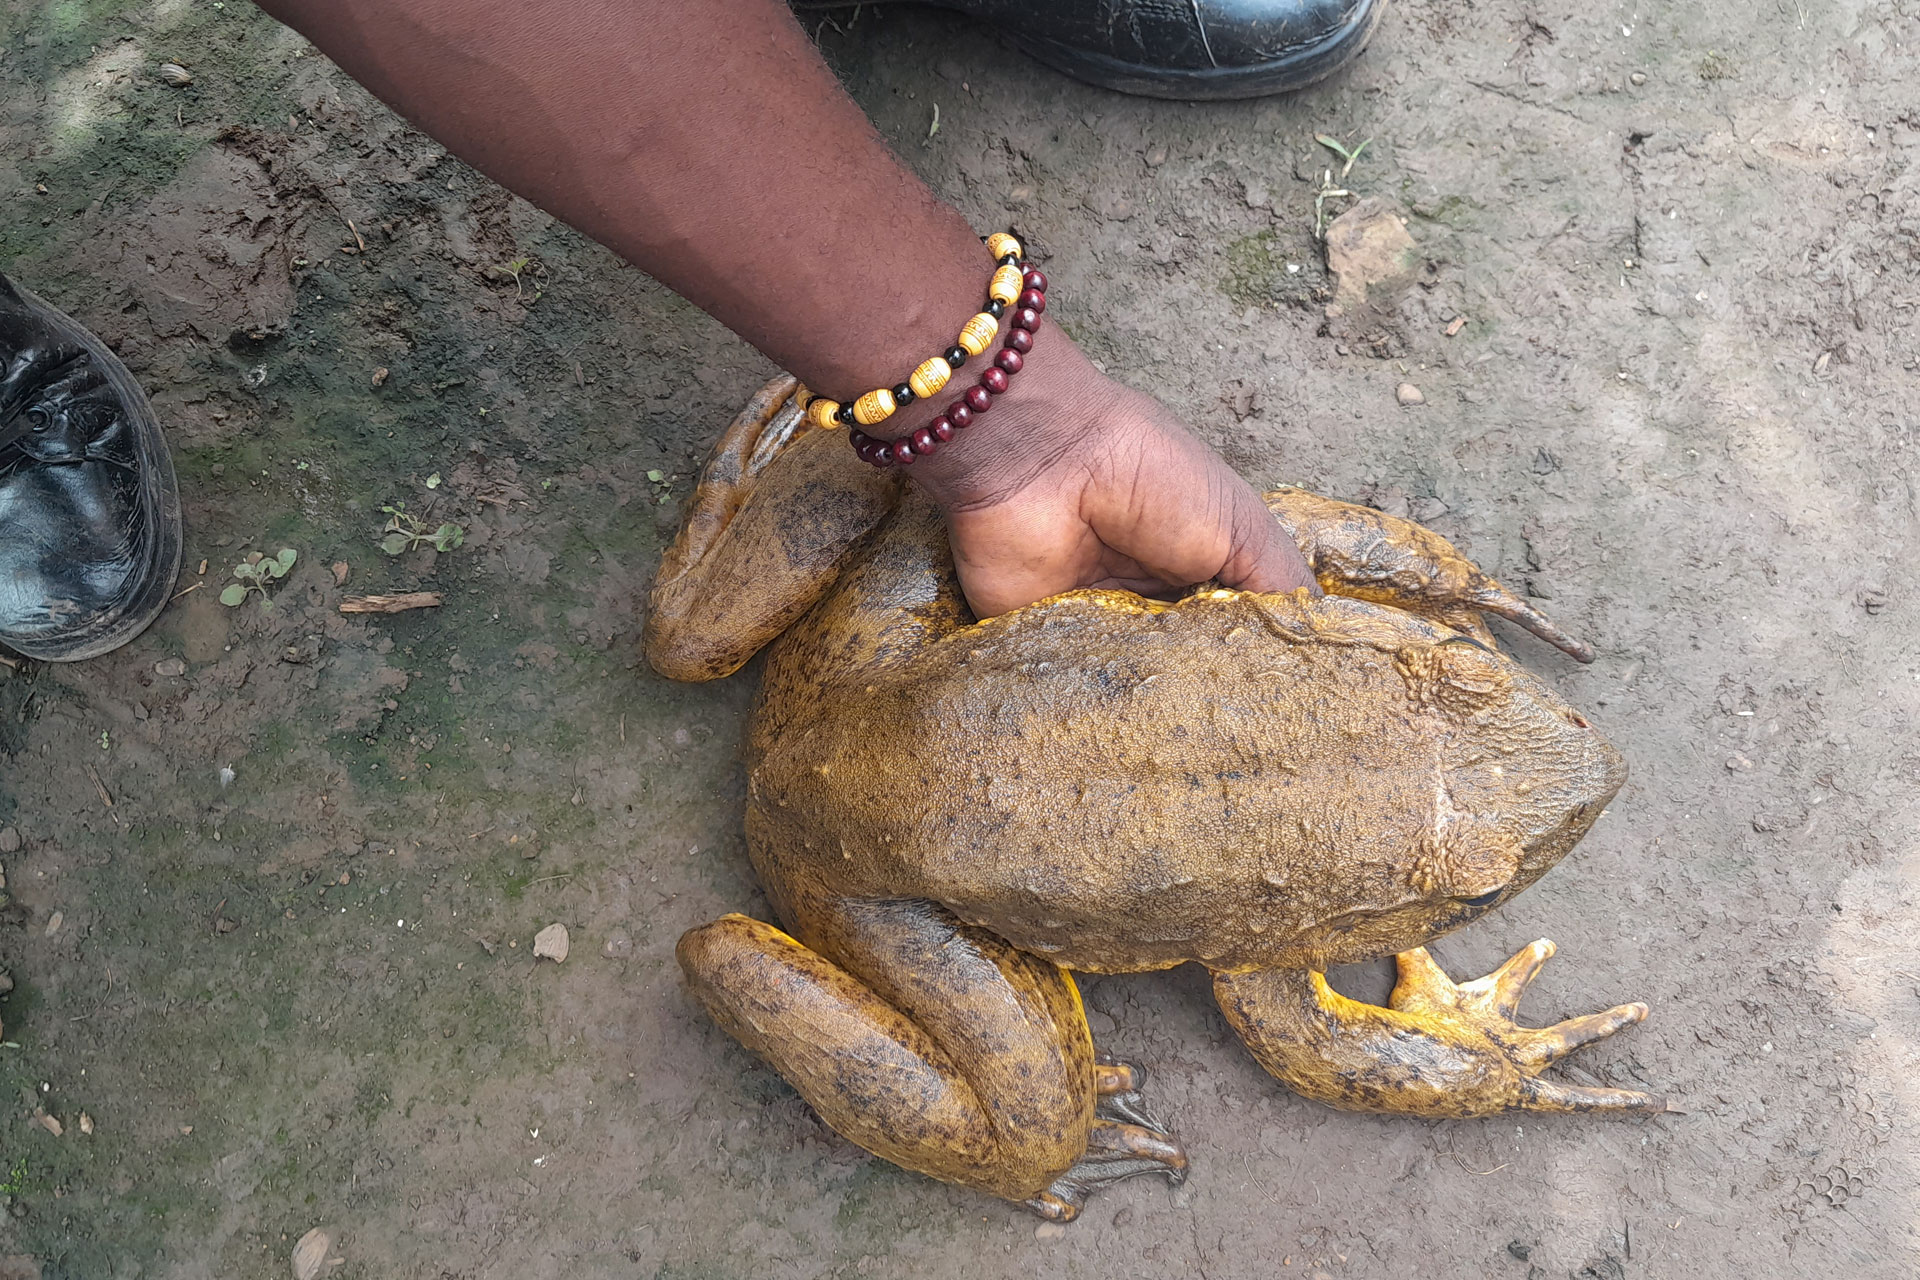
x,y
708,144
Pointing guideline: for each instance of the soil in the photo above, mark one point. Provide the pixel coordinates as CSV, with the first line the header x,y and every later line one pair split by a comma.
x,y
279,870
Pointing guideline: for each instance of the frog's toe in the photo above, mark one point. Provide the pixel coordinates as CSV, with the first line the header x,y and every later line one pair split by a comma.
x,y
1118,1092
1115,1152
1551,1095
1539,1048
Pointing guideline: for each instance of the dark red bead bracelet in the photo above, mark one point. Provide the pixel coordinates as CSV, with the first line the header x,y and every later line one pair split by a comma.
x,y
1022,322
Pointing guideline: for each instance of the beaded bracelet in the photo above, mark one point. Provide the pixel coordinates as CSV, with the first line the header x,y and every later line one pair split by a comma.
x,y
1015,283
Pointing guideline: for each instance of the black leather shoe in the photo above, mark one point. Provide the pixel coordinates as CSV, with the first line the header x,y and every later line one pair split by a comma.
x,y
1186,49
89,516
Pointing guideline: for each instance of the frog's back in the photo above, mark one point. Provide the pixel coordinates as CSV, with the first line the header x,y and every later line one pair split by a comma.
x,y
1116,783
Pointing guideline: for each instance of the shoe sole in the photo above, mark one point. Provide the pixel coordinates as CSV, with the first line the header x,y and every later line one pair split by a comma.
x,y
1296,69
106,632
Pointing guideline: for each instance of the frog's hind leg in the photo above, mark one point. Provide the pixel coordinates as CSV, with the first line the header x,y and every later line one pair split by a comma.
x,y
777,505
1438,1049
934,1045
1370,555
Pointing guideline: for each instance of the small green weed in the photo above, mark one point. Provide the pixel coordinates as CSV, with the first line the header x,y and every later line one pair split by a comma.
x,y
256,573
404,531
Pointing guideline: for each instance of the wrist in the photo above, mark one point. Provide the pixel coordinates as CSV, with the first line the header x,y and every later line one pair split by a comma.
x,y
1047,419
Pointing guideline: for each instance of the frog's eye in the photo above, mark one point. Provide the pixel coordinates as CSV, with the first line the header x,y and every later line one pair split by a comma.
x,y
1469,861
1486,899
1458,674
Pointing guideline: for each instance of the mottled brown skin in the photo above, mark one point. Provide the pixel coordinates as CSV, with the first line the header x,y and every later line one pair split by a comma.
x,y
951,815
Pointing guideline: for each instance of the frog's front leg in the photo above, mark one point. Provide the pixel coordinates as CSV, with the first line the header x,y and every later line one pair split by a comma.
x,y
1439,1049
934,1045
777,505
1370,555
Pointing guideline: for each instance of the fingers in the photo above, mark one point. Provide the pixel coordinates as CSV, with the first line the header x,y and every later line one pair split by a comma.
x,y
1549,1095
1550,1044
1261,557
1500,991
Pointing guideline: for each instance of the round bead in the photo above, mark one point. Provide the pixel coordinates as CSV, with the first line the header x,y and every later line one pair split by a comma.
x,y
875,406
903,394
901,452
996,308
978,333
995,380
960,414
923,443
1034,278
1026,318
927,380
1009,359
941,428
1019,340
1005,285
1034,300
820,413
844,415
1002,245
955,357
979,399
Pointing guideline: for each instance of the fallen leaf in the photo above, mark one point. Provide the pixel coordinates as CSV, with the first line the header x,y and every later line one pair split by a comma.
x,y
380,376
1456,325
310,1254
340,573
551,943
86,1123
54,922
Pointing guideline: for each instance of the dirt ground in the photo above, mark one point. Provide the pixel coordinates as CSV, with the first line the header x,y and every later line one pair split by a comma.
x,y
1685,244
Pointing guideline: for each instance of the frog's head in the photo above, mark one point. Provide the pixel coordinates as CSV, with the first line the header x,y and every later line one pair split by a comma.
x,y
1519,778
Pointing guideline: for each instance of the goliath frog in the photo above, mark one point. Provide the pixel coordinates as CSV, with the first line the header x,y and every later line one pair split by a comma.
x,y
952,816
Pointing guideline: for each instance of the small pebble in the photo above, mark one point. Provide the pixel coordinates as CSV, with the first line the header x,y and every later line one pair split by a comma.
x,y
170,667
54,922
618,945
51,1125
1049,1231
1409,394
1638,78
9,840
551,944
1156,156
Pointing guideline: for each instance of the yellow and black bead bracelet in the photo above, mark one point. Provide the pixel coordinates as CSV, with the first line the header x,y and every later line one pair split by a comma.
x,y
1015,284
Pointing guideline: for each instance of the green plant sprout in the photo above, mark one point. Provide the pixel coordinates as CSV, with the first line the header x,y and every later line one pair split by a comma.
x,y
512,271
257,573
1330,186
404,531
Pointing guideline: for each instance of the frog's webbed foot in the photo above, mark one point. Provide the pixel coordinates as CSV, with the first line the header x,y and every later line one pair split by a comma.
x,y
1440,1049
1126,1141
1370,555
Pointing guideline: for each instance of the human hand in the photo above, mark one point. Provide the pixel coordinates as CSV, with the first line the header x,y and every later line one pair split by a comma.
x,y
1077,481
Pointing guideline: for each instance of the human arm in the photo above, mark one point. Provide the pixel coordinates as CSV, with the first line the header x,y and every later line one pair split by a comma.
x,y
709,145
